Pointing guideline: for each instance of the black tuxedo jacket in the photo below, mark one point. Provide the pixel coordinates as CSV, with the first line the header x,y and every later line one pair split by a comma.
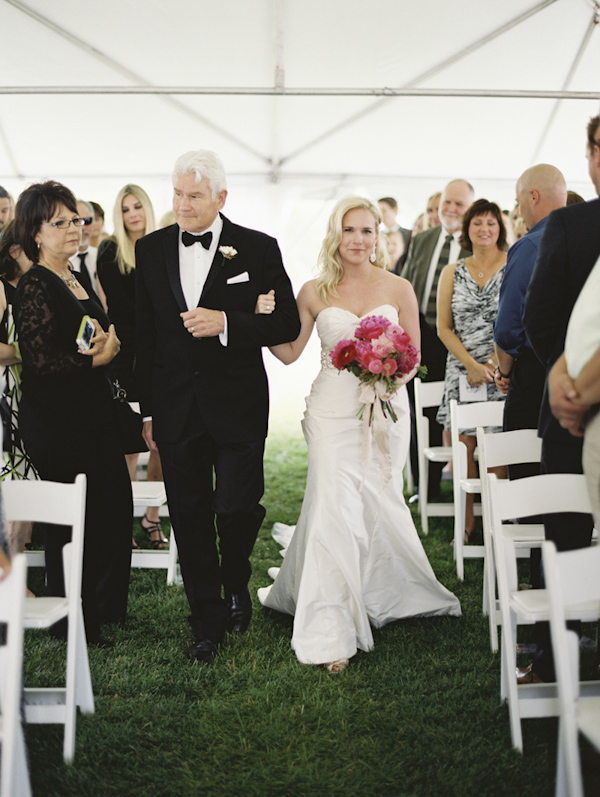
x,y
174,370
568,250
418,260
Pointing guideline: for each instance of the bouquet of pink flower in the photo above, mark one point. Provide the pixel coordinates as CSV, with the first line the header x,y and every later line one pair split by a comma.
x,y
381,356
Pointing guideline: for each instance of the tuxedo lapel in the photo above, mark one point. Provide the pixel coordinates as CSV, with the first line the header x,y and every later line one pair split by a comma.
x,y
171,249
226,239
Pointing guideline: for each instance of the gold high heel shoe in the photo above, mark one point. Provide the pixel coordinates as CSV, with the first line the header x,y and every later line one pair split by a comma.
x,y
339,665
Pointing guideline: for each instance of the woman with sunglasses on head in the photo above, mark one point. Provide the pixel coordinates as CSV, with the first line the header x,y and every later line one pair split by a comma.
x,y
133,217
66,412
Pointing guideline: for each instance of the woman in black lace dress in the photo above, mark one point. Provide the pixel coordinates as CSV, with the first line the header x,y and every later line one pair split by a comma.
x,y
66,415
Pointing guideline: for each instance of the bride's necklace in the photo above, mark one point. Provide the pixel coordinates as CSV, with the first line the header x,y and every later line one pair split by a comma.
x,y
71,280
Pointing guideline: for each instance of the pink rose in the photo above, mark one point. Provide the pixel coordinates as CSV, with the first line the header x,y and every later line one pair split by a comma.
x,y
375,366
343,354
398,337
364,353
409,359
380,349
390,367
371,327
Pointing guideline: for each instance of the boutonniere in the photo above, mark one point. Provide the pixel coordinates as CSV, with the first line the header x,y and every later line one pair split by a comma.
x,y
228,252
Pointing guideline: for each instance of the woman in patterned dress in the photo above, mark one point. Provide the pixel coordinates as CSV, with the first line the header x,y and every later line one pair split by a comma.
x,y
15,462
467,306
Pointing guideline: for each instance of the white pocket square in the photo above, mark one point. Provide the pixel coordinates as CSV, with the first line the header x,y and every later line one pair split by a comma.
x,y
244,277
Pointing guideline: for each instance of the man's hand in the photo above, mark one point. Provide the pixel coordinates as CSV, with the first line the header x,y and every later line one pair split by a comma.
x,y
147,435
502,382
203,323
564,400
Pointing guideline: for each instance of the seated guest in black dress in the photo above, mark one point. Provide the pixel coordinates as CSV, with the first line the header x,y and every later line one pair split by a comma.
x,y
66,414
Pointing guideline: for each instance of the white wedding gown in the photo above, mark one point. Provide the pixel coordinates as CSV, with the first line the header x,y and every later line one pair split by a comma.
x,y
355,558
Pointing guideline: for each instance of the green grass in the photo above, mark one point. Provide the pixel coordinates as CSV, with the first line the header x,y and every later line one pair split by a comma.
x,y
419,715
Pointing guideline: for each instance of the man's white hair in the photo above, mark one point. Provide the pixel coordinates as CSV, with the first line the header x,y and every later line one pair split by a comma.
x,y
203,163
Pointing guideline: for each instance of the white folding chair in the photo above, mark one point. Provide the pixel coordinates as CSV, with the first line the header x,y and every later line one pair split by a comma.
x,y
572,578
519,447
428,394
61,504
14,780
467,416
535,495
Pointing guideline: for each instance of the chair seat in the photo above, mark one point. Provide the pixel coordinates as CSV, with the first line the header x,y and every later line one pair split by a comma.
x,y
524,532
438,453
588,719
148,494
471,485
533,605
44,612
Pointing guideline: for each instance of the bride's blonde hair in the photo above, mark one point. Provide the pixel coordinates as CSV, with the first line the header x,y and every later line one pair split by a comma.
x,y
331,269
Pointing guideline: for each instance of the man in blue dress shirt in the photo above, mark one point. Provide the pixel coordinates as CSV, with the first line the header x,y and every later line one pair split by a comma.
x,y
520,374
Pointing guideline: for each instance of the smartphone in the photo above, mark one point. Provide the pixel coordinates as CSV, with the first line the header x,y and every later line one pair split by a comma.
x,y
86,332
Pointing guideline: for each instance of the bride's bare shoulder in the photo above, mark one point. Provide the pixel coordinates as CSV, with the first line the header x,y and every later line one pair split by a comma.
x,y
310,299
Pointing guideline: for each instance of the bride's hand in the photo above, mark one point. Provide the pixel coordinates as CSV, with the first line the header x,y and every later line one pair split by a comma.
x,y
265,304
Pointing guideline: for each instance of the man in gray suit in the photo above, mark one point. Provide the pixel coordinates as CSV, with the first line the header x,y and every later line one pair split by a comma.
x,y
429,252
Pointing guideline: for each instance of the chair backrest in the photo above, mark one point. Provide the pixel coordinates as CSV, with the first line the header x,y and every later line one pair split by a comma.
x,y
12,595
427,394
474,414
539,495
572,578
55,503
518,447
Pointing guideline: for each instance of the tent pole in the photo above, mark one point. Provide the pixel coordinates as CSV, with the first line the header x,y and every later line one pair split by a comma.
x,y
421,78
576,61
129,75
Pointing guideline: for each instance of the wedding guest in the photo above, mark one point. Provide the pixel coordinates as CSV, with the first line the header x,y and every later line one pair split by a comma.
x,y
97,233
4,207
133,217
520,375
66,413
568,251
355,559
467,307
389,213
15,461
432,218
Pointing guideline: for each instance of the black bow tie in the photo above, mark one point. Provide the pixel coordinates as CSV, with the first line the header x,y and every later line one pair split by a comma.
x,y
189,239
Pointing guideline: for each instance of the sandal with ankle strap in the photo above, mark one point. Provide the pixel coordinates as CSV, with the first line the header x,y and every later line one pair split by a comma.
x,y
154,527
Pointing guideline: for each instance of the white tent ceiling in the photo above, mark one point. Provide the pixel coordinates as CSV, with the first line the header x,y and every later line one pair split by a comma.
x,y
296,90
295,97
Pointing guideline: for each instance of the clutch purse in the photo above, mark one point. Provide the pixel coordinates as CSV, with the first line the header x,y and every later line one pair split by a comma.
x,y
128,422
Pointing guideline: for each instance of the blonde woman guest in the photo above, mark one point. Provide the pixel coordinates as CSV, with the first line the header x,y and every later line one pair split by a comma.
x,y
432,218
467,306
133,217
355,559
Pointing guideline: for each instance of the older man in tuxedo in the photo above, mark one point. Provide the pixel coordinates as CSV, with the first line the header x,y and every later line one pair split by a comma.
x,y
203,387
428,253
569,249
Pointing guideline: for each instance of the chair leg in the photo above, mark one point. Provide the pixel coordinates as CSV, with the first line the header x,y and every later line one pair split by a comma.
x,y
85,692
173,555
509,660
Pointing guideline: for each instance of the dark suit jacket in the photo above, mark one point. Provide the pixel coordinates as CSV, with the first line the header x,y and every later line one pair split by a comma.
x,y
419,257
569,248
174,370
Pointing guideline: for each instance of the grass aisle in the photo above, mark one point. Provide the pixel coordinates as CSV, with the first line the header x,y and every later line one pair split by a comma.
x,y
419,715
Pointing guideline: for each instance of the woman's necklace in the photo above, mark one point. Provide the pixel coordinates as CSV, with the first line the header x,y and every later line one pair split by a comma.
x,y
481,274
71,280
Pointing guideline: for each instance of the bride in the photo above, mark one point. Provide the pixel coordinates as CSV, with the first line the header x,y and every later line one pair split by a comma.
x,y
354,559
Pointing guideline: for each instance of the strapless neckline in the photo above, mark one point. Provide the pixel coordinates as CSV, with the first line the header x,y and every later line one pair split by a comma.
x,y
360,317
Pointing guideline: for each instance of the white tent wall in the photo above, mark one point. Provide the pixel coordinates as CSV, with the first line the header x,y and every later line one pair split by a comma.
x,y
293,94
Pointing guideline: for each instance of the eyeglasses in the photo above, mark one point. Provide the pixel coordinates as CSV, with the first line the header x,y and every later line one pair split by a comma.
x,y
62,224
87,221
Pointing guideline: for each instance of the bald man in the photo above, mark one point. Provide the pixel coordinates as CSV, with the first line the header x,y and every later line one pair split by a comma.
x,y
540,190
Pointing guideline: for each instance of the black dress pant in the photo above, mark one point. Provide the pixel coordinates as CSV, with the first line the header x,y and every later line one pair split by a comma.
x,y
561,453
59,452
204,479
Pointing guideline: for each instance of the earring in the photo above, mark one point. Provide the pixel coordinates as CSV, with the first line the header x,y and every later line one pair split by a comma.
x,y
373,256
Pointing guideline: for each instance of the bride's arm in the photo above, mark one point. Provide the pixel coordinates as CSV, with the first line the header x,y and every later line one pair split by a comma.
x,y
289,352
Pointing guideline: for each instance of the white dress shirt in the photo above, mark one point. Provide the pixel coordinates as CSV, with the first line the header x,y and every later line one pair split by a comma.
x,y
194,264
452,258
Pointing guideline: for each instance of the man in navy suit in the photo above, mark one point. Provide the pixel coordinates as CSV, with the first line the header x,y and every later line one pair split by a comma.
x,y
568,251
203,388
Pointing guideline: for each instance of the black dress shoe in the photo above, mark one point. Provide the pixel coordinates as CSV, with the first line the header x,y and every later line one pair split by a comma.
x,y
203,651
240,612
